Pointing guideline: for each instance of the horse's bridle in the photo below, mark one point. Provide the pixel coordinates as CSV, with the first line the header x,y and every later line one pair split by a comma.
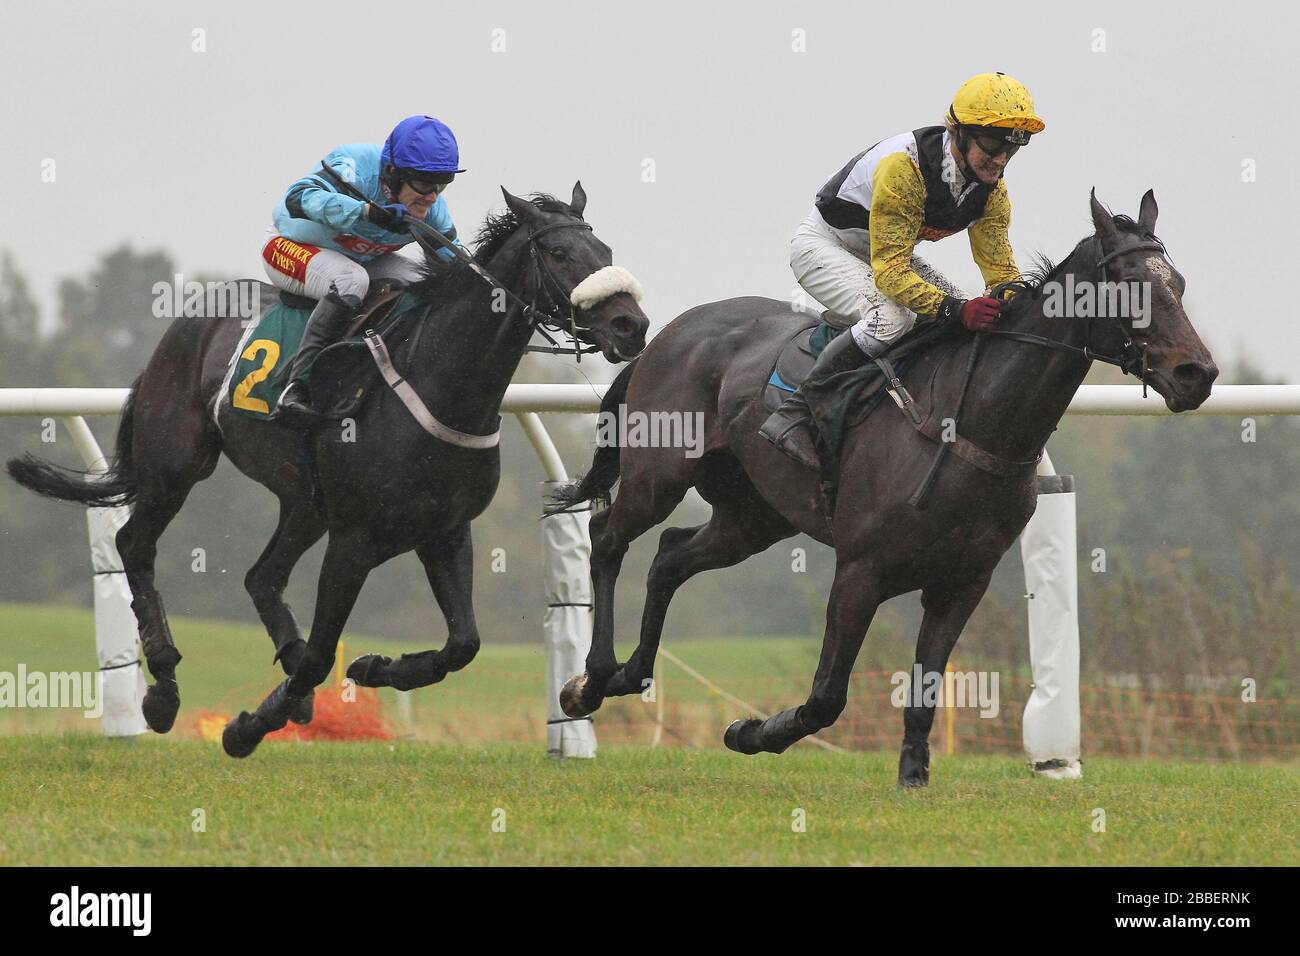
x,y
553,317
1132,359
540,319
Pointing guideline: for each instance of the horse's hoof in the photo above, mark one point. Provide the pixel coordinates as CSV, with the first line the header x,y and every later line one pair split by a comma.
x,y
913,767
240,738
571,697
415,670
746,744
305,709
367,670
161,702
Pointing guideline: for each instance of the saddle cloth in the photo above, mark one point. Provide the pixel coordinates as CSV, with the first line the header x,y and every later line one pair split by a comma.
x,y
797,357
340,377
841,401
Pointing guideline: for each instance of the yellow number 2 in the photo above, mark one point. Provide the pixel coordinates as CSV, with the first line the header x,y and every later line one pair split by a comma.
x,y
271,355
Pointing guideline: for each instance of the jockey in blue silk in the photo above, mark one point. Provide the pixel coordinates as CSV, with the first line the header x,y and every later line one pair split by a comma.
x,y
340,227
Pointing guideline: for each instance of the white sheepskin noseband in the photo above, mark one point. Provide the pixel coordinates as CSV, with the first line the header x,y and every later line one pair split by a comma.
x,y
603,283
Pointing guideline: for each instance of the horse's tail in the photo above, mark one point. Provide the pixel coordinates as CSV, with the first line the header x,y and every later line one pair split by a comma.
x,y
603,474
117,486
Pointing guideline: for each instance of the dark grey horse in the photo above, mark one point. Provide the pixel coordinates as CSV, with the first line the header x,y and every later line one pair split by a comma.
x,y
387,488
716,358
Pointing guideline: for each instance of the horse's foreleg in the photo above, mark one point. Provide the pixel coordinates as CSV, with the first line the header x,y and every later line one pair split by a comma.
x,y
449,564
853,602
347,563
946,612
298,529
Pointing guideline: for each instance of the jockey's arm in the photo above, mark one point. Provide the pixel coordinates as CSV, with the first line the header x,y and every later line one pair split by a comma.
x,y
990,244
440,218
309,199
897,214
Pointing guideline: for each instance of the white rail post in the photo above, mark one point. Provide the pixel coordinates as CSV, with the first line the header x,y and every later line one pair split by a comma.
x,y
1049,549
117,640
566,627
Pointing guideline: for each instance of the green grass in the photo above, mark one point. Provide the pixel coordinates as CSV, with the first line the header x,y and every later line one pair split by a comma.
x,y
474,744
83,800
227,668
501,696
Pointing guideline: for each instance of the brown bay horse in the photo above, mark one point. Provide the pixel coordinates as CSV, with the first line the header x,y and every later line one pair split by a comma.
x,y
716,358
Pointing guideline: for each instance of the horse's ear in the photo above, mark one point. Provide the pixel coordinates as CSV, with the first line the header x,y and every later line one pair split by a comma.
x,y
1102,221
524,211
1148,212
579,201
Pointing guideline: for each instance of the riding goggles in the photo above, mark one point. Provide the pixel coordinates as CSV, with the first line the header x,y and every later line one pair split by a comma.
x,y
427,187
995,144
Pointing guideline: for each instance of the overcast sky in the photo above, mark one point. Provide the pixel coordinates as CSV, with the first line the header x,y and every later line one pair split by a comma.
x,y
159,145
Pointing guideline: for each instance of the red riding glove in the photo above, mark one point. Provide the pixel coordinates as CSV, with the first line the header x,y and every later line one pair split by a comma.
x,y
978,314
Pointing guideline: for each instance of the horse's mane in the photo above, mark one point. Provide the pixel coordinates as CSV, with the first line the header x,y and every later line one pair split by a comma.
x,y
1042,271
492,235
1085,254
498,227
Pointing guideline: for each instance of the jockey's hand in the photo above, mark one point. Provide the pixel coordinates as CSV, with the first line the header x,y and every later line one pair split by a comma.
x,y
978,314
391,217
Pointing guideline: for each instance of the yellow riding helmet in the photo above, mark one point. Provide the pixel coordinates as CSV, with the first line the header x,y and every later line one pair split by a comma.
x,y
995,99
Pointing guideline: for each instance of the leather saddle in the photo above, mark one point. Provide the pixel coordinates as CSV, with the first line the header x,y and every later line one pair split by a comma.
x,y
383,293
344,374
797,357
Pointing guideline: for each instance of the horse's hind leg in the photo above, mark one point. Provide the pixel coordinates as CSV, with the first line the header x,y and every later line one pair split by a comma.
x,y
737,530
946,612
855,595
176,458
642,502
449,565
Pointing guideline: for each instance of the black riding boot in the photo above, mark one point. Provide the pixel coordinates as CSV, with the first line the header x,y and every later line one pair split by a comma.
x,y
329,320
788,427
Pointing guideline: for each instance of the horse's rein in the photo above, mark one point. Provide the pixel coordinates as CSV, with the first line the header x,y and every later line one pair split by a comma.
x,y
1131,361
425,234
984,460
537,318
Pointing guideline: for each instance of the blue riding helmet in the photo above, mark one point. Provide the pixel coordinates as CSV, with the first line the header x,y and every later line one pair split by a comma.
x,y
420,147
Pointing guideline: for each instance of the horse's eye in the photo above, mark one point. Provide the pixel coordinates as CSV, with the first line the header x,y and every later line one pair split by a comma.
x,y
559,254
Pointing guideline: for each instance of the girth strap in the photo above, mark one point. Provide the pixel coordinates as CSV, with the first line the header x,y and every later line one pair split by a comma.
x,y
968,451
961,447
417,408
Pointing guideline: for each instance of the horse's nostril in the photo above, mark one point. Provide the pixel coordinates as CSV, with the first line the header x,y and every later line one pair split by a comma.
x,y
1196,373
623,325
